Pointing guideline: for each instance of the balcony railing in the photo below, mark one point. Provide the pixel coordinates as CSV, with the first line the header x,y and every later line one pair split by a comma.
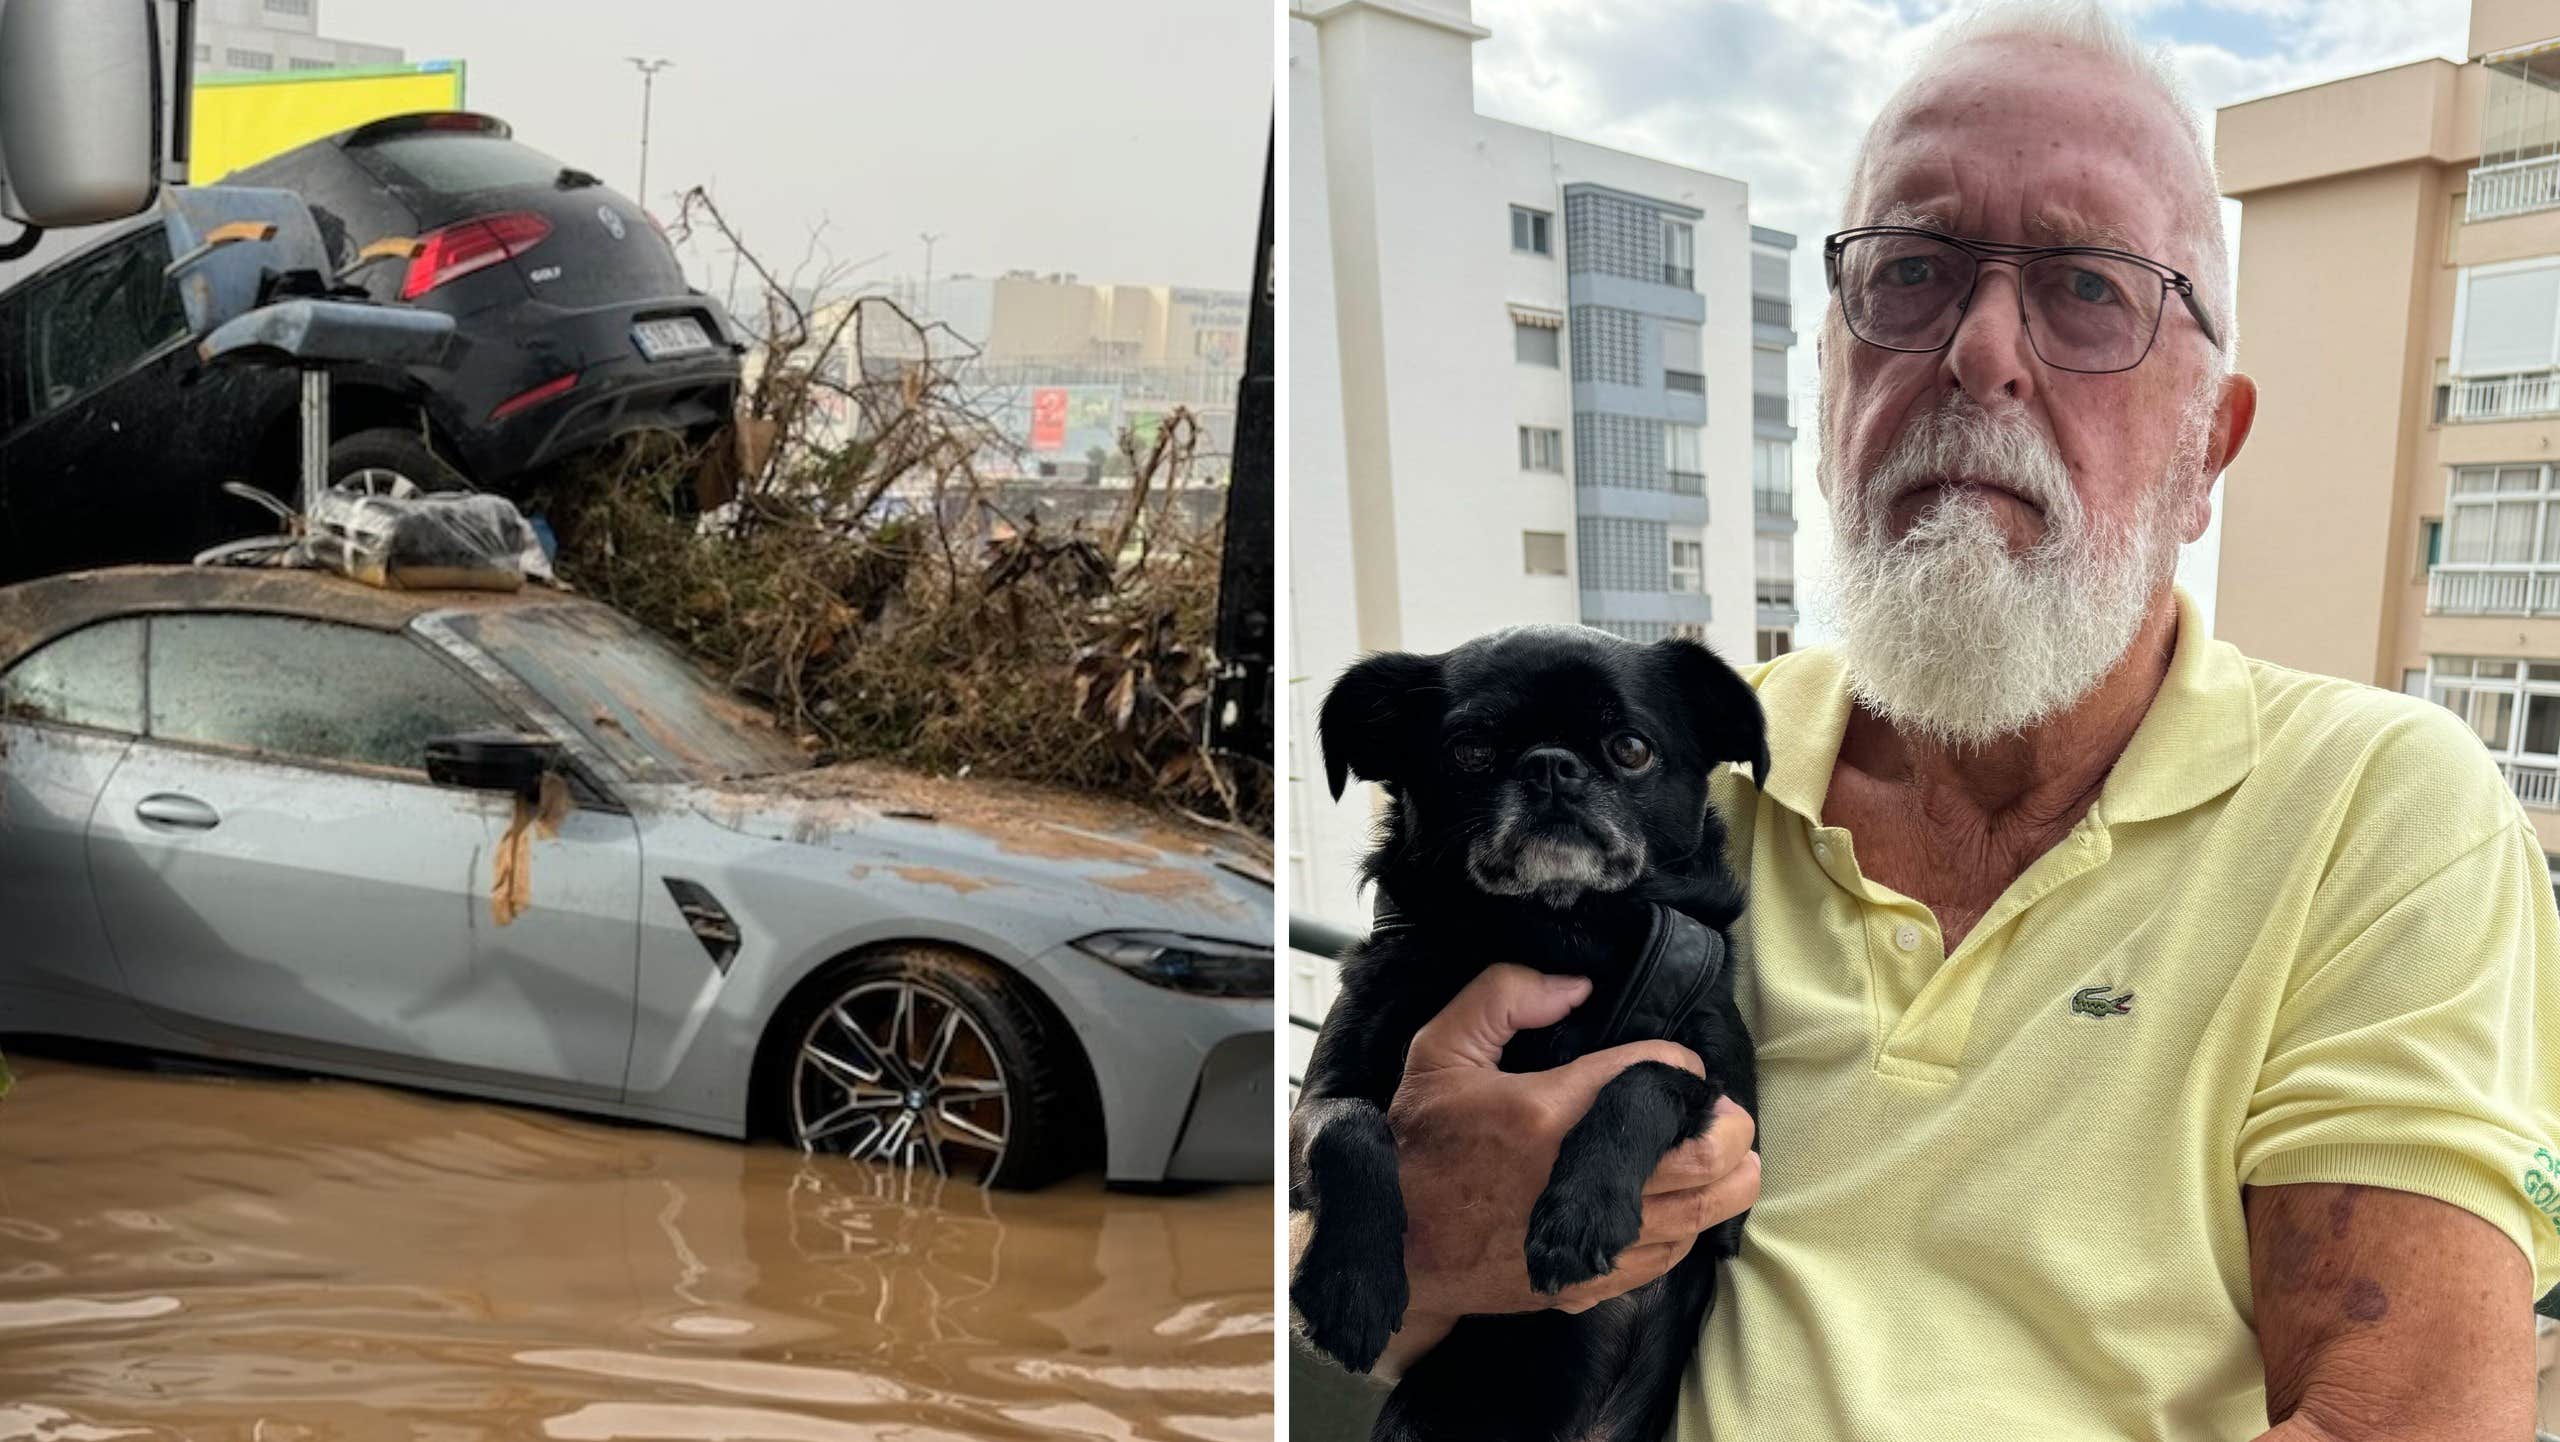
x,y
1769,408
1689,483
2537,786
1766,311
2493,591
2514,188
1690,381
2503,398
1768,501
1682,276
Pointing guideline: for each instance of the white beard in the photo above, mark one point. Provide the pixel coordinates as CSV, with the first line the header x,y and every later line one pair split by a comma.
x,y
1949,636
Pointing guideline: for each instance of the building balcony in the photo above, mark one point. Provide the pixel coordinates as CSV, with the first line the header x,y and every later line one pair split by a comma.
x,y
1688,483
1772,409
1774,312
2535,786
2513,188
2493,591
2501,398
1680,277
1772,501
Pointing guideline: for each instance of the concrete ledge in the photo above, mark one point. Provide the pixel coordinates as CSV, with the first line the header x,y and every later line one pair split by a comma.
x,y
1635,505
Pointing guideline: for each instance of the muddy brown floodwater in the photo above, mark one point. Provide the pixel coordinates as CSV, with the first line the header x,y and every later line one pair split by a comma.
x,y
216,1258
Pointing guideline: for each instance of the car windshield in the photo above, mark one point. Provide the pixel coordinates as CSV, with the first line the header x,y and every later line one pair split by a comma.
x,y
638,701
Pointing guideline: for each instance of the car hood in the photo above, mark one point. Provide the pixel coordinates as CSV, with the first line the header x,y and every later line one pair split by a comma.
x,y
978,835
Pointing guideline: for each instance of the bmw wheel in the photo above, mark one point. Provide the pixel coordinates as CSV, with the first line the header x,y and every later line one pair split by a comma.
x,y
378,460
936,1062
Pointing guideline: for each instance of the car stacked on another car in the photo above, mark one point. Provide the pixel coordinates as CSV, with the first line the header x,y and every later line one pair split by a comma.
x,y
575,324
260,815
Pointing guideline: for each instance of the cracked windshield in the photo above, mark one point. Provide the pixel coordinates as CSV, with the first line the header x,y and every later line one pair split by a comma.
x,y
636,780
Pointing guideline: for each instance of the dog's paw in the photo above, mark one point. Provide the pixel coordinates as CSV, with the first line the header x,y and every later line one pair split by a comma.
x,y
1350,1305
1575,1236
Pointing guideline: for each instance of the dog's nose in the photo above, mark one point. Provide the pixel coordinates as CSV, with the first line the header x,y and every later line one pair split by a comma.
x,y
1554,770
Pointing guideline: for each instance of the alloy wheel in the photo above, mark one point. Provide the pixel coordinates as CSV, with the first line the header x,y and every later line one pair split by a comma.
x,y
897,1071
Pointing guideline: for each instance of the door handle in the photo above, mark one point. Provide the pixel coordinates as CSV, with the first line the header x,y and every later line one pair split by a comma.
x,y
167,808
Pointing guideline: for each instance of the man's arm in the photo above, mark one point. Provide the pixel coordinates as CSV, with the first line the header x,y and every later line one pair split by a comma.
x,y
2385,1314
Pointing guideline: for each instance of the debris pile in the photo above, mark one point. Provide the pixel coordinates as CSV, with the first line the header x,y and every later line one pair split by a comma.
x,y
845,556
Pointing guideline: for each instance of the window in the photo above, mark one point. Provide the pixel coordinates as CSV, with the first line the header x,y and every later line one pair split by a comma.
x,y
1679,255
93,320
2498,516
321,692
1768,372
1773,570
1770,645
1772,478
2508,319
1541,448
298,63
239,59
289,7
1688,566
1542,552
1533,344
204,55
1680,458
1683,363
1768,275
1531,230
457,162
2520,112
2430,542
92,677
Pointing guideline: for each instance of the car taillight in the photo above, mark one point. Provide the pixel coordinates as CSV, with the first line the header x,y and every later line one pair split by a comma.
x,y
458,250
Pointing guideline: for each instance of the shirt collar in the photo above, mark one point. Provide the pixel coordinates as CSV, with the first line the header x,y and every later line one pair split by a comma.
x,y
2198,740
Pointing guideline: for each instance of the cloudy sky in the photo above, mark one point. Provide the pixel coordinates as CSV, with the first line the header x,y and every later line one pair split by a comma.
x,y
1777,92
1118,139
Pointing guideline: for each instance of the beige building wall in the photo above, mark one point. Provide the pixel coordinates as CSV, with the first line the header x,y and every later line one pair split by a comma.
x,y
2355,235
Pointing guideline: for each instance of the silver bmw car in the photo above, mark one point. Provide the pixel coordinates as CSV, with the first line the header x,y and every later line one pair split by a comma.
x,y
513,846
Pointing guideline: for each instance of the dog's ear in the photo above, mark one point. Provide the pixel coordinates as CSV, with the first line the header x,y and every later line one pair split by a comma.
x,y
1376,715
1724,712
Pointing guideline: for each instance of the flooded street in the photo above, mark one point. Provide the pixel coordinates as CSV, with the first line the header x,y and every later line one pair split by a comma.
x,y
216,1258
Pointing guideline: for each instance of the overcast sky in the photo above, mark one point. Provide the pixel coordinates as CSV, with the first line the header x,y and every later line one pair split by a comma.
x,y
1777,92
1118,139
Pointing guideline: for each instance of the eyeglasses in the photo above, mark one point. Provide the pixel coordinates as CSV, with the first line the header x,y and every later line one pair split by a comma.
x,y
2085,308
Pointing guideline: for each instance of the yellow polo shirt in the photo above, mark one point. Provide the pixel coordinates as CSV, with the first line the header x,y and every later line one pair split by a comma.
x,y
2305,934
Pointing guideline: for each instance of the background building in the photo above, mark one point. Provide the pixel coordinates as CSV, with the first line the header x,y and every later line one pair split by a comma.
x,y
1530,379
2395,517
263,35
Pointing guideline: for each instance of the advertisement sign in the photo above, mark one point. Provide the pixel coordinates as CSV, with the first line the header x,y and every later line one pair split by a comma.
x,y
242,119
1049,418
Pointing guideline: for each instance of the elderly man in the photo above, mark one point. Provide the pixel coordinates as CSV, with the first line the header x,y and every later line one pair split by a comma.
x,y
2153,1043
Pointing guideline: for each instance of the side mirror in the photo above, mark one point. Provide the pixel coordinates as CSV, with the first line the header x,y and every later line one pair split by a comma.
x,y
79,110
493,761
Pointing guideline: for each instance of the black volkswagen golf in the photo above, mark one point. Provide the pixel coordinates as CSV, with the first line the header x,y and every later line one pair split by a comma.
x,y
575,322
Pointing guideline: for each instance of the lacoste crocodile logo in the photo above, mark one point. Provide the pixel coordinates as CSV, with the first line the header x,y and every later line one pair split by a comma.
x,y
2094,1001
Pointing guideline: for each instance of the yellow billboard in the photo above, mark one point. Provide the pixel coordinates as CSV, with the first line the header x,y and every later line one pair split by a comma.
x,y
242,119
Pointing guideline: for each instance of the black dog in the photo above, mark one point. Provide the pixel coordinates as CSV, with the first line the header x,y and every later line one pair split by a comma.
x,y
1548,806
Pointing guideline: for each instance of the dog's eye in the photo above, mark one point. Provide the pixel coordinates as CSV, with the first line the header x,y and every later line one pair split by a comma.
x,y
1630,751
1471,755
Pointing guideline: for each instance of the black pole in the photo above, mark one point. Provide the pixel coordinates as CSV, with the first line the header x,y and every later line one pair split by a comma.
x,y
1240,706
182,124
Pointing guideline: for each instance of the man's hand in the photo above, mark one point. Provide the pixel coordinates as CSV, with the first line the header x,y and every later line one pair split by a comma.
x,y
1475,1144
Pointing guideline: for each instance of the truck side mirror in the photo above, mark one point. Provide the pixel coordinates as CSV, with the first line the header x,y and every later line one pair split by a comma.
x,y
79,110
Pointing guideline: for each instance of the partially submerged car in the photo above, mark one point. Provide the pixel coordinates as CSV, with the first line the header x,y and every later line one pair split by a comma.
x,y
575,328
511,845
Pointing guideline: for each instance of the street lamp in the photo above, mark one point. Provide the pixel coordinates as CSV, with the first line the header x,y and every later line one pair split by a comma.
x,y
648,80
929,237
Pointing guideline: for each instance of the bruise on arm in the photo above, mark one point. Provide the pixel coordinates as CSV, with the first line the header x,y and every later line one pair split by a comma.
x,y
2383,1313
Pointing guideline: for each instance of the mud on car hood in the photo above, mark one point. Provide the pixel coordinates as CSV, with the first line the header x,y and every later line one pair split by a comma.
x,y
972,835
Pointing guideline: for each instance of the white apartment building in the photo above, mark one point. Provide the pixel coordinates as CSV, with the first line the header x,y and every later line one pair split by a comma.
x,y
254,36
1530,379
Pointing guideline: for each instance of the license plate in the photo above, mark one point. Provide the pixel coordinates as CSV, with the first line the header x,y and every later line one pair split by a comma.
x,y
667,339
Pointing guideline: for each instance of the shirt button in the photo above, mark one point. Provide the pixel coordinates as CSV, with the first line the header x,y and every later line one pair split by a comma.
x,y
1906,936
1822,850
